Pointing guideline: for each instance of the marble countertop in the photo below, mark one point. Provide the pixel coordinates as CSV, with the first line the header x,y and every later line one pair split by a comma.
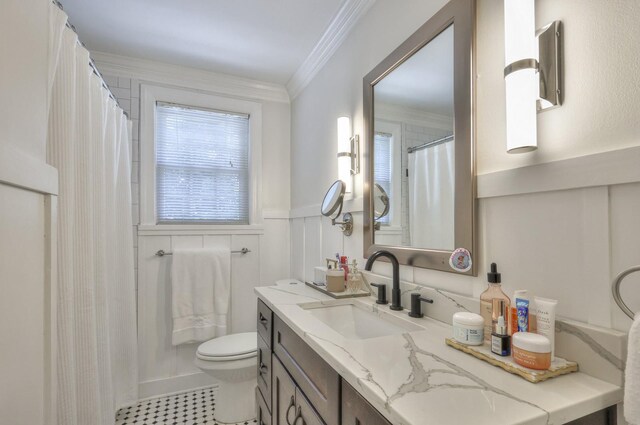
x,y
415,379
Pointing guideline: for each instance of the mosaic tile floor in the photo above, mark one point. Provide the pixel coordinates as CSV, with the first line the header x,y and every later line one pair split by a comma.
x,y
191,408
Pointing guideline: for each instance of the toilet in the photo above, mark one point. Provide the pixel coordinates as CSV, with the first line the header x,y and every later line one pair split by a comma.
x,y
231,359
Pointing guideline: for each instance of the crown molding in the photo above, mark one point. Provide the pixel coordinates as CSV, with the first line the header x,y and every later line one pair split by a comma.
x,y
341,25
160,72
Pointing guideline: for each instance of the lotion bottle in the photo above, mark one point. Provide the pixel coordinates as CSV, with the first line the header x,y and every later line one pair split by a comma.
x,y
493,291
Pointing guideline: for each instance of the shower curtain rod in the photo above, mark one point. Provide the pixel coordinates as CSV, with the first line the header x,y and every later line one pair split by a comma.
x,y
430,144
92,64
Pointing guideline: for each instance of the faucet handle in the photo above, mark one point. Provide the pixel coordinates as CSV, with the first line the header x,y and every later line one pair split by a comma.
x,y
382,293
416,304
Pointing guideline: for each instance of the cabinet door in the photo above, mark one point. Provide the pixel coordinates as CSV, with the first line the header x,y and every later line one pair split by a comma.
x,y
263,416
264,371
305,415
357,411
284,395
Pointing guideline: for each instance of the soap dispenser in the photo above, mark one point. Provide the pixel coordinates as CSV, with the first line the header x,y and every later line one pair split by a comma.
x,y
493,292
354,278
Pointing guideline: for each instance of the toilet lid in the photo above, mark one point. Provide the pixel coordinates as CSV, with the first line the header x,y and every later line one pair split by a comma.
x,y
235,345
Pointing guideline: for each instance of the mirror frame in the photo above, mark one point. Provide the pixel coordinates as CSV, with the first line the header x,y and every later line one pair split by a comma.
x,y
462,14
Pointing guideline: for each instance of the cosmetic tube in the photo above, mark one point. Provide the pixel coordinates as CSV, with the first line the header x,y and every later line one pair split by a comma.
x,y
522,306
546,320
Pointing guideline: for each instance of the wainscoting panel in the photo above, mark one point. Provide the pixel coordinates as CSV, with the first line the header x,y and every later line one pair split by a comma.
x,y
245,275
297,248
157,355
312,246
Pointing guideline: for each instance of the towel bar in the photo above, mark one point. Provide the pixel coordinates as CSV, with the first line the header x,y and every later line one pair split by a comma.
x,y
162,253
615,289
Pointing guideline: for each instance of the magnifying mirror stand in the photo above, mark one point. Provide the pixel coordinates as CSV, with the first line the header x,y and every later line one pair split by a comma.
x,y
346,225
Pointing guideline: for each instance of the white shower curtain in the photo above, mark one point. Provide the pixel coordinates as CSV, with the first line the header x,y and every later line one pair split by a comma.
x,y
88,142
431,197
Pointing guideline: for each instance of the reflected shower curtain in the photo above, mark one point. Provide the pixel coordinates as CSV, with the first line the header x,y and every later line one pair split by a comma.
x,y
431,197
88,142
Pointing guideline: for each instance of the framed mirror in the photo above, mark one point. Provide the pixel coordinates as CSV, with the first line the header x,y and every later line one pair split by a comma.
x,y
419,144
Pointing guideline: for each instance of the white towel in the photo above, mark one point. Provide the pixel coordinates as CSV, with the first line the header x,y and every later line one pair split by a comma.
x,y
632,375
200,286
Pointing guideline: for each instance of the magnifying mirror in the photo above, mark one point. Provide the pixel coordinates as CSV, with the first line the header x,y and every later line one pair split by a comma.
x,y
332,207
333,200
380,202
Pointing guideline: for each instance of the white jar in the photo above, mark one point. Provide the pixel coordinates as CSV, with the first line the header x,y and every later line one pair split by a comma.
x,y
468,328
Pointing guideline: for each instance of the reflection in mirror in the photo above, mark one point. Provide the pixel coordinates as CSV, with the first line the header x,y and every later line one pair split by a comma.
x,y
413,147
380,203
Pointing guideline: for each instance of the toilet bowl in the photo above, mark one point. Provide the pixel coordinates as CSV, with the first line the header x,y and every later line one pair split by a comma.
x,y
231,359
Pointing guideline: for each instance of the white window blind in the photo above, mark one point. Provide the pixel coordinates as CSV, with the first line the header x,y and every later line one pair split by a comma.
x,y
382,165
202,165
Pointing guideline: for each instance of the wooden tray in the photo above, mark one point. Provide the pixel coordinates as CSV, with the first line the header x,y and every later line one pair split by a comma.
x,y
338,295
558,367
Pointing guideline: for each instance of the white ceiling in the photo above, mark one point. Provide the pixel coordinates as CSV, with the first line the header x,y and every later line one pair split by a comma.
x,y
424,81
258,39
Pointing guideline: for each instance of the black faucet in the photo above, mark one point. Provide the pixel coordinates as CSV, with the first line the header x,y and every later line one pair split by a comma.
x,y
395,291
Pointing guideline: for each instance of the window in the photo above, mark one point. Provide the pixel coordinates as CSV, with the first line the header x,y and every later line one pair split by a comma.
x,y
383,166
202,165
200,160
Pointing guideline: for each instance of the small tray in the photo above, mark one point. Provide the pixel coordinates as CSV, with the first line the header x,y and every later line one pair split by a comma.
x,y
338,295
558,367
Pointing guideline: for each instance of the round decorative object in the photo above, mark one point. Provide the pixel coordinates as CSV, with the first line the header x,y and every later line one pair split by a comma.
x,y
460,260
332,202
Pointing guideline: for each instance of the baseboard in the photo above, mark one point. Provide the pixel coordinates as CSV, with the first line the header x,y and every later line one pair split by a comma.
x,y
175,384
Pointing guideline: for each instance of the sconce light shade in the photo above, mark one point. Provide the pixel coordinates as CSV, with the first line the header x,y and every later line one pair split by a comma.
x,y
521,79
348,153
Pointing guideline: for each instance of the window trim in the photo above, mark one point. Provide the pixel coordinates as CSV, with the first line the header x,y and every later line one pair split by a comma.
x,y
149,95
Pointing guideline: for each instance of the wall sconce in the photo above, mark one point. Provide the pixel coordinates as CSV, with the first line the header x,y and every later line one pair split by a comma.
x,y
348,153
532,72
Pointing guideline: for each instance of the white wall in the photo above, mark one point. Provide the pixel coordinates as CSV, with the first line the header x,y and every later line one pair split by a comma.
x,y
164,368
23,75
560,244
27,369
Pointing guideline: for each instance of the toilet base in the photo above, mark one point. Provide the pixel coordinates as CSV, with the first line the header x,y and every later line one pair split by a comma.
x,y
232,403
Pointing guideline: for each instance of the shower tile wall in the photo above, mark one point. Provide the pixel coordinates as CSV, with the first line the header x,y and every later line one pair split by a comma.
x,y
413,135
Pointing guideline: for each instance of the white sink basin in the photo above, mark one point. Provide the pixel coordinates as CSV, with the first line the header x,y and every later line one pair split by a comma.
x,y
356,321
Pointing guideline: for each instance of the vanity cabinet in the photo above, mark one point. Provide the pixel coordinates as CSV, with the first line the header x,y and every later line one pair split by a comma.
x,y
357,411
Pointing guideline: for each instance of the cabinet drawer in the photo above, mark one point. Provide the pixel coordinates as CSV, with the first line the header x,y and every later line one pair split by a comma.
x,y
263,416
264,370
357,411
265,322
318,381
